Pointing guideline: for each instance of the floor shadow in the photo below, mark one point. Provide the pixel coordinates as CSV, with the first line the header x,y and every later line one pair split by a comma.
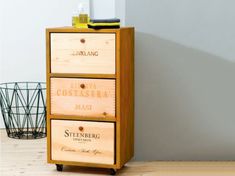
x,y
184,102
86,170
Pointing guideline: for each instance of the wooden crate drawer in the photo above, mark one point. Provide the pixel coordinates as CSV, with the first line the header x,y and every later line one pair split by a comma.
x,y
83,97
82,141
82,53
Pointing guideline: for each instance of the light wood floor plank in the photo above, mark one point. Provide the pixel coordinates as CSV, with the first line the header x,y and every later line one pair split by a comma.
x,y
28,158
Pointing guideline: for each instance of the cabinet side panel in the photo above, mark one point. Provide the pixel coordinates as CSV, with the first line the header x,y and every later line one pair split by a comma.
x,y
127,94
48,93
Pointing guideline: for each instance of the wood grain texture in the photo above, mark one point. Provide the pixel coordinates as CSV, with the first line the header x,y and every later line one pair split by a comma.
x,y
80,75
95,99
82,53
118,102
75,117
28,158
126,77
82,141
69,163
82,30
48,88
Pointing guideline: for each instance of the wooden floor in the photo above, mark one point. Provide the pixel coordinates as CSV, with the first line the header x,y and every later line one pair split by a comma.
x,y
28,158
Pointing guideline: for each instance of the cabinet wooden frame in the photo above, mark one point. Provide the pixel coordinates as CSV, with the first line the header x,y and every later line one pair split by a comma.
x,y
124,76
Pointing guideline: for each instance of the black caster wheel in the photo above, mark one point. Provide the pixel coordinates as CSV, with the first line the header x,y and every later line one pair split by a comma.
x,y
113,171
59,167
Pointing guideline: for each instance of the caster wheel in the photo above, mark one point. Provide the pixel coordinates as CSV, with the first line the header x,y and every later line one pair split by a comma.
x,y
59,167
113,171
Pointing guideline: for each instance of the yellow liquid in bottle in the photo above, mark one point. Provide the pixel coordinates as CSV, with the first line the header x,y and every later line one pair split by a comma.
x,y
75,21
83,21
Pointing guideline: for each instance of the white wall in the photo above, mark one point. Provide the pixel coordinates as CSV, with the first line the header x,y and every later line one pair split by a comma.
x,y
22,26
207,25
185,79
103,8
1,41
120,10
1,52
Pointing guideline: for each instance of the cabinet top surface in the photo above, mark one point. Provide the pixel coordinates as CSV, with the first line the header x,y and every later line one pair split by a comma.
x,y
72,29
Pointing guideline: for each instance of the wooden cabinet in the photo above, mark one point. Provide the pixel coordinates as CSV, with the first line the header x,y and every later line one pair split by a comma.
x,y
90,96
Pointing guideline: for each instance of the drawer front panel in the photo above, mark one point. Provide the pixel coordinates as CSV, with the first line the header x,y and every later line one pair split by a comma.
x,y
83,97
82,141
82,53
